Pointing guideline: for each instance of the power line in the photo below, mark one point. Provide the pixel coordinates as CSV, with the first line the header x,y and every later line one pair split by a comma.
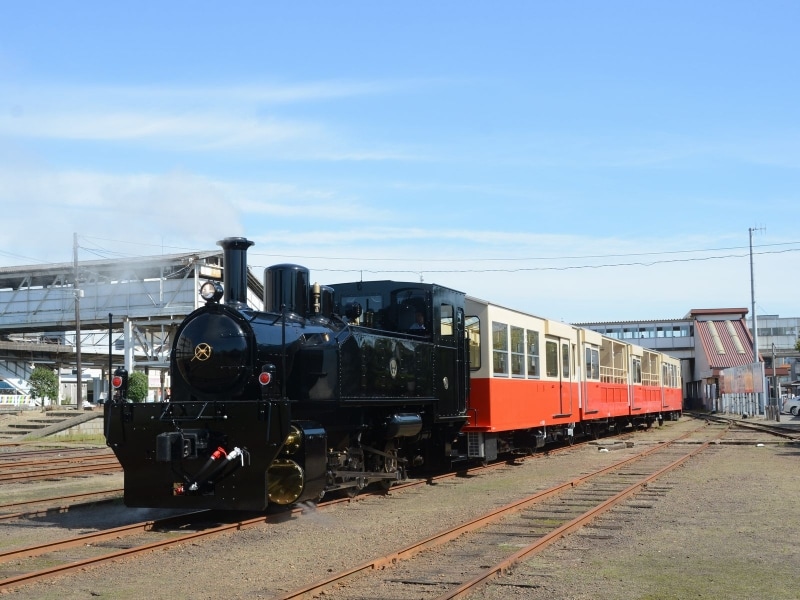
x,y
516,258
139,245
362,259
564,268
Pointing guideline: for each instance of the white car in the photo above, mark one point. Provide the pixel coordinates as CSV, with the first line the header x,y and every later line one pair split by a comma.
x,y
792,405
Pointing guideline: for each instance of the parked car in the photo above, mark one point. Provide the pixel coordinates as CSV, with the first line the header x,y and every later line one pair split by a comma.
x,y
792,405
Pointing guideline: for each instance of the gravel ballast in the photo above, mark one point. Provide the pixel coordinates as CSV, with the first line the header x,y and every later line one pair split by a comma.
x,y
725,525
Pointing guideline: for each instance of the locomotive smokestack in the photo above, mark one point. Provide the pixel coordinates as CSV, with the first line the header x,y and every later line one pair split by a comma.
x,y
234,262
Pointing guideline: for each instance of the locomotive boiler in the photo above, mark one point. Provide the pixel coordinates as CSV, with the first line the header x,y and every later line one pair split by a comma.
x,y
328,388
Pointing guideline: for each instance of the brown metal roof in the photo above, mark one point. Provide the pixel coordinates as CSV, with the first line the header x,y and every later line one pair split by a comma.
x,y
717,311
720,345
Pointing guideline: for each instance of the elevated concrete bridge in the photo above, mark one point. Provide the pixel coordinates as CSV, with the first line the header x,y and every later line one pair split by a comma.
x,y
136,303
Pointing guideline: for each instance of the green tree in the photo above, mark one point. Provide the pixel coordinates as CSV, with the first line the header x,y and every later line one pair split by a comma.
x,y
797,345
44,383
137,386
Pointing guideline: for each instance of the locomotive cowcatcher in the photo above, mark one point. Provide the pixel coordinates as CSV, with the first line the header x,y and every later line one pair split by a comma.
x,y
328,388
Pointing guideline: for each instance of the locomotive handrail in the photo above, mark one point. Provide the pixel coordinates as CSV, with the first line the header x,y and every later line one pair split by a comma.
x,y
186,417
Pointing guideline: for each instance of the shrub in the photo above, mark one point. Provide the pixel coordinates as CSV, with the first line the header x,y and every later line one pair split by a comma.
x,y
44,383
137,386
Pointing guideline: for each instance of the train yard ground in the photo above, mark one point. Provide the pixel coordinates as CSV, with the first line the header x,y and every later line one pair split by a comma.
x,y
724,524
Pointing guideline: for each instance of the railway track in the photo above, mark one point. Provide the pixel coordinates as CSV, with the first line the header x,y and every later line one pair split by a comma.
x,y
28,509
21,451
786,432
23,474
22,466
38,561
454,562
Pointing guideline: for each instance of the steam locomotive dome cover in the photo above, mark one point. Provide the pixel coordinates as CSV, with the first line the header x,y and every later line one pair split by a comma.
x,y
211,353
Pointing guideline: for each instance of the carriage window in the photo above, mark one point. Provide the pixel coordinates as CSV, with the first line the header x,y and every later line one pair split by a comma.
x,y
670,376
500,348
592,363
637,370
473,333
565,360
517,352
447,320
551,358
533,353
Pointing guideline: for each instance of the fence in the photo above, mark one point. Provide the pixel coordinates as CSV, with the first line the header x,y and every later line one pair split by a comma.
x,y
742,389
16,400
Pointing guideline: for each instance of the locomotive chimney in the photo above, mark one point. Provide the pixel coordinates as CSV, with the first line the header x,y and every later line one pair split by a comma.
x,y
234,262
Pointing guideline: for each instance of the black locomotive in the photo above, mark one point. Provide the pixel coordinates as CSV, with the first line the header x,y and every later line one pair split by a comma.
x,y
329,388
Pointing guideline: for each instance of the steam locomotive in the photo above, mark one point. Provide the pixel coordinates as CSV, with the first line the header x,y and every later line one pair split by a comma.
x,y
333,388
329,388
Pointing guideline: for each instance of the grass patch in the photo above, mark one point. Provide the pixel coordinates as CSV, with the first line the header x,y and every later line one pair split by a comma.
x,y
82,438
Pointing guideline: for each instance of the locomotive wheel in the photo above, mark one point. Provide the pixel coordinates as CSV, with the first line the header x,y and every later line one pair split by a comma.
x,y
357,467
352,492
389,464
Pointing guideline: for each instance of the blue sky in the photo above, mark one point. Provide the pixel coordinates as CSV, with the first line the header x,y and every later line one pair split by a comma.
x,y
579,160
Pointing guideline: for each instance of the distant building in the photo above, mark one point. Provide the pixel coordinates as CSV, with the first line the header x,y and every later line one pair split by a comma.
x,y
710,340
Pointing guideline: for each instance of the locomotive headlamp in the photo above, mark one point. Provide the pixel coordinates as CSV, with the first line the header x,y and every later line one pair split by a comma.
x,y
267,374
119,383
211,291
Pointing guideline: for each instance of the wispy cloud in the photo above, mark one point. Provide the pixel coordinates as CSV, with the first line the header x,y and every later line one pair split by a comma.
x,y
200,120
230,95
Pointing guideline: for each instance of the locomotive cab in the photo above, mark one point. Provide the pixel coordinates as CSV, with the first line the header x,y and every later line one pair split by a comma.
x,y
438,338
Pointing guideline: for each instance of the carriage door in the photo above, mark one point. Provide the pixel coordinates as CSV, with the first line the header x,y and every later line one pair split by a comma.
x,y
462,356
559,364
451,362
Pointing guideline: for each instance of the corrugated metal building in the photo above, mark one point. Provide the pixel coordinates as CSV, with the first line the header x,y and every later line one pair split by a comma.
x,y
706,340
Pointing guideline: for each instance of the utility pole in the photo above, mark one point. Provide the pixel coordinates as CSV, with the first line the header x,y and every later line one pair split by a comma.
x,y
78,293
775,386
755,322
753,299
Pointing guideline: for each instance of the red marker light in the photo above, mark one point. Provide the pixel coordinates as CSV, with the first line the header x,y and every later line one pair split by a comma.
x,y
116,381
264,378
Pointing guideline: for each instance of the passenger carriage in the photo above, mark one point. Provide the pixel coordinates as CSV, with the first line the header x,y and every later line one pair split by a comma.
x,y
605,384
524,387
672,387
655,384
535,380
